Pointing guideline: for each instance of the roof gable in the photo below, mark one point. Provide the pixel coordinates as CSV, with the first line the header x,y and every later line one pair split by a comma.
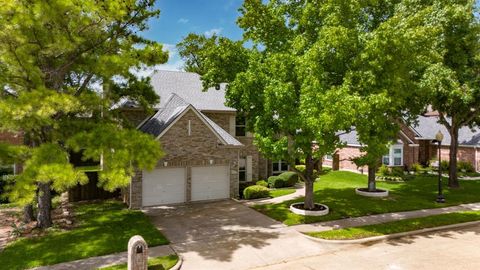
x,y
175,109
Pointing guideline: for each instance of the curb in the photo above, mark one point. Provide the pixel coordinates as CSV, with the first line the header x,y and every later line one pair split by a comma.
x,y
179,263
392,236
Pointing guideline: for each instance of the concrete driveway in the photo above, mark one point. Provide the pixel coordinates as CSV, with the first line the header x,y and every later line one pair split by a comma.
x,y
229,235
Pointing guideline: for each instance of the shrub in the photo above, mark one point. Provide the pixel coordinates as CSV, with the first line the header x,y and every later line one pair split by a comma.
x,y
243,185
255,192
262,183
383,170
445,165
465,166
290,178
397,171
417,168
275,182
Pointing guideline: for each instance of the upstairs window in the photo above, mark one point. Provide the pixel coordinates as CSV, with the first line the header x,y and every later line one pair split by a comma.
x,y
240,127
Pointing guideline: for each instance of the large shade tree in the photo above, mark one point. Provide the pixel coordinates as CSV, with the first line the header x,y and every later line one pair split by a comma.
x,y
63,65
305,79
454,82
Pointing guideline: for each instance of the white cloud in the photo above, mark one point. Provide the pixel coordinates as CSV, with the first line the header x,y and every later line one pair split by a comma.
x,y
183,20
214,31
175,63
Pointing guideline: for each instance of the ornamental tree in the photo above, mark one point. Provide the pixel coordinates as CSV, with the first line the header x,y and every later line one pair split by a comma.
x,y
64,64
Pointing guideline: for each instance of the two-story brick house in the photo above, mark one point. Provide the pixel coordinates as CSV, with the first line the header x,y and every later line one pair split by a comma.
x,y
208,152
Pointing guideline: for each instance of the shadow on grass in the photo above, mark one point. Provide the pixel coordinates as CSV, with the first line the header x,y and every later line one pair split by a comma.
x,y
103,228
337,191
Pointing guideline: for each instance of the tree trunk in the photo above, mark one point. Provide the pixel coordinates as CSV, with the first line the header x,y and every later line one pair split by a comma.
x,y
28,215
452,170
44,218
309,203
372,184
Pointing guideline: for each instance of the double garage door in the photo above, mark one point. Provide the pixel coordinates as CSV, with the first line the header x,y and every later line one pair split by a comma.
x,y
169,185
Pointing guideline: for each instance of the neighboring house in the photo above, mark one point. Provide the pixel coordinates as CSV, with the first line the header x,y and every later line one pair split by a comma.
x,y
414,144
208,152
11,138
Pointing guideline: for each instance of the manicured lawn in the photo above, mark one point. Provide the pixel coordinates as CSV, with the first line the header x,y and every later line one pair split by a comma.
x,y
398,226
103,228
281,192
158,263
336,189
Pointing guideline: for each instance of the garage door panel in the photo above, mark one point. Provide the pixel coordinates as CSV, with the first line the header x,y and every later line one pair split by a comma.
x,y
164,186
210,183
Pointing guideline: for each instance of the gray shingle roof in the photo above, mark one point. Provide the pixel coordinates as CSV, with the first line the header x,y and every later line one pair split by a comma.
x,y
188,86
428,127
173,108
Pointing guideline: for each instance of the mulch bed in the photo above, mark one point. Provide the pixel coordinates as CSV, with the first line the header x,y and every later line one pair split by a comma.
x,y
318,207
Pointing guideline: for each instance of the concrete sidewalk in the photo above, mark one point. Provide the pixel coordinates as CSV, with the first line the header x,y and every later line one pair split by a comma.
x,y
382,218
107,260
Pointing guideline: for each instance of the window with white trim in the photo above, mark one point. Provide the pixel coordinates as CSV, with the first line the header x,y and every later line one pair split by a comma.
x,y
240,127
394,157
279,166
328,157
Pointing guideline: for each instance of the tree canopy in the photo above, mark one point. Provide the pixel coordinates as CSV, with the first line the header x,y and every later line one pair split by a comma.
x,y
64,65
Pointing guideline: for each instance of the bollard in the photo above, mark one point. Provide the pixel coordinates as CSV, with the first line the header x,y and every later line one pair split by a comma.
x,y
137,253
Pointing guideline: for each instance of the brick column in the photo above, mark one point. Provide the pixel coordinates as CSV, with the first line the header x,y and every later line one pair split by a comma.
x,y
136,190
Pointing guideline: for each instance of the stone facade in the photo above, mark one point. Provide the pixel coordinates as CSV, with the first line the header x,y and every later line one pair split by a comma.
x,y
199,148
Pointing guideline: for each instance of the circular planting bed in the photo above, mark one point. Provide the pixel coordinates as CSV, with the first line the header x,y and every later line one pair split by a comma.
x,y
376,193
320,209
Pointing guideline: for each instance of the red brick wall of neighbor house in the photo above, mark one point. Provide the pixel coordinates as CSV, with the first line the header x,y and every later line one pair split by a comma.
x,y
346,154
11,138
464,154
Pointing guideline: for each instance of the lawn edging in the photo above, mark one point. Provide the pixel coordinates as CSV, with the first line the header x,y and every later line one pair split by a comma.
x,y
179,263
392,236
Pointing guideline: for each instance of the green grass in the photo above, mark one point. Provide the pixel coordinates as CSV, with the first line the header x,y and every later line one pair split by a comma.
x,y
7,205
336,189
103,228
398,226
158,263
281,192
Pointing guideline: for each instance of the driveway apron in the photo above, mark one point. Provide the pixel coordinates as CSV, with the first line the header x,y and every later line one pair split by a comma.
x,y
229,235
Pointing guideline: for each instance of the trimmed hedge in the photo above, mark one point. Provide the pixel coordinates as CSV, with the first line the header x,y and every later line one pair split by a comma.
x,y
290,178
243,186
262,183
276,182
255,192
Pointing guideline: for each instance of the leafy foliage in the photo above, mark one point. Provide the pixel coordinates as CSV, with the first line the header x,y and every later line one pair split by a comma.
x,y
255,192
65,65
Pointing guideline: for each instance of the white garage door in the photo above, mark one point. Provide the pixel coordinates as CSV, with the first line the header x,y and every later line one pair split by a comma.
x,y
164,186
210,183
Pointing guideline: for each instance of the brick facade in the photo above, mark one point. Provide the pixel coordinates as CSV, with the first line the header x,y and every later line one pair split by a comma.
x,y
414,151
16,139
200,148
259,163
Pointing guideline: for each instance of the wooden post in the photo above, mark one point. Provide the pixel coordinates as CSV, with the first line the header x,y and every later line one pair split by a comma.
x,y
137,253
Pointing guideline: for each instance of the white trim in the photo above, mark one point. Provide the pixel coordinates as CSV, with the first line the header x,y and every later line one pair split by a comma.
x,y
414,144
189,127
405,135
391,155
280,166
190,107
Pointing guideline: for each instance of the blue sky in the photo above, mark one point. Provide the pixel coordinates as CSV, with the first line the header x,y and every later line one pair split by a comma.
x,y
178,18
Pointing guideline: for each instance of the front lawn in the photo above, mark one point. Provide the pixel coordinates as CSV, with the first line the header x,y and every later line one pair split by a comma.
x,y
405,225
102,228
158,263
336,190
281,192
